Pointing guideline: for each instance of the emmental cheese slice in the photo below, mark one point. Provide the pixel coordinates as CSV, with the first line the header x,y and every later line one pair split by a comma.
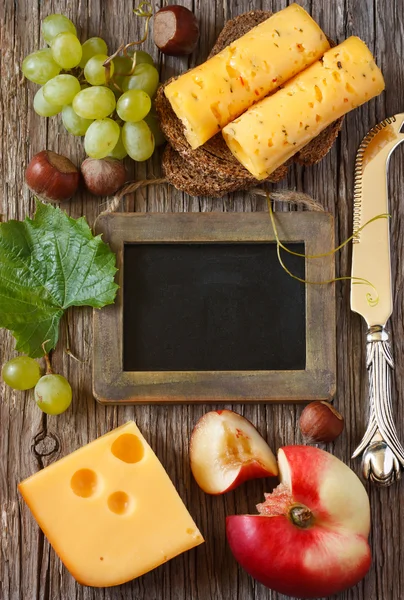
x,y
273,130
110,510
208,97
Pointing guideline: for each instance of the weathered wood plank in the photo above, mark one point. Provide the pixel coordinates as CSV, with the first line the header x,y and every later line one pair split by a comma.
x,y
29,569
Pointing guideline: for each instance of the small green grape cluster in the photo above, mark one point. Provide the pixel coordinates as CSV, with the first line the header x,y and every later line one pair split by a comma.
x,y
115,113
53,393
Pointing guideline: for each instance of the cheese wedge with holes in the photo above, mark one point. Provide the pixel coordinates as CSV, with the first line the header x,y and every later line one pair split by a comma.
x,y
208,97
110,510
273,130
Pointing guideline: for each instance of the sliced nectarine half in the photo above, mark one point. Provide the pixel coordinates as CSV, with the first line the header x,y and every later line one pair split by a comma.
x,y
226,449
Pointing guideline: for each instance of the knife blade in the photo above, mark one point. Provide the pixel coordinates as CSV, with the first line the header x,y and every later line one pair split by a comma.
x,y
371,296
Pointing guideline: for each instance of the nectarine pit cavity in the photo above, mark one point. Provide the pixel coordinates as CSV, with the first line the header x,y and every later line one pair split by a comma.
x,y
237,446
281,502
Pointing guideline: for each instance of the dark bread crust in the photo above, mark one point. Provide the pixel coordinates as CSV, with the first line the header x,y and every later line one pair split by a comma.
x,y
211,169
196,182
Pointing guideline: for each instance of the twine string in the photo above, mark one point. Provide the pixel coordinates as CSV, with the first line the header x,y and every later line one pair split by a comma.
x,y
288,196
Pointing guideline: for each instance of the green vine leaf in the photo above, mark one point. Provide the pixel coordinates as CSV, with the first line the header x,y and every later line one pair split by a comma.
x,y
47,264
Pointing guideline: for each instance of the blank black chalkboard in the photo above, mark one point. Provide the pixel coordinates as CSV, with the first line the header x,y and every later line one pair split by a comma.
x,y
205,313
212,307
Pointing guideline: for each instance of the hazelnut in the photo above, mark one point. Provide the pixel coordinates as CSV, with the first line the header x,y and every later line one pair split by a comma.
x,y
321,422
104,176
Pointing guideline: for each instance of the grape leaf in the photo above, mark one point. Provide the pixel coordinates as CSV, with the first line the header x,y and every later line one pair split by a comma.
x,y
47,264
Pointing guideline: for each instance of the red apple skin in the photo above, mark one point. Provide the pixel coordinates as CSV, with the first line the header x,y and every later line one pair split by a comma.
x,y
328,557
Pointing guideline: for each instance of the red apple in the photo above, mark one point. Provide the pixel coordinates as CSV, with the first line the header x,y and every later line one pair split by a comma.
x,y
311,537
226,450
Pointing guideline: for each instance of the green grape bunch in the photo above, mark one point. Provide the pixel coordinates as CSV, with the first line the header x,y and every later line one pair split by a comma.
x,y
109,101
53,393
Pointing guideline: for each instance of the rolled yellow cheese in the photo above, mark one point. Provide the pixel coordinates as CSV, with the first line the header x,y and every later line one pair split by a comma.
x,y
208,97
273,130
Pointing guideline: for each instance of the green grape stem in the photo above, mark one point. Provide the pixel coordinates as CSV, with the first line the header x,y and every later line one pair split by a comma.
x,y
139,12
49,370
80,76
107,65
116,86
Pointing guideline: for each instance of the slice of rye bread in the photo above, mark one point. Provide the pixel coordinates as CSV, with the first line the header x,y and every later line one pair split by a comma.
x,y
212,168
196,182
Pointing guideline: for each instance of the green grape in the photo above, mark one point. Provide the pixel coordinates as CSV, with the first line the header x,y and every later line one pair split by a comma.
x,y
95,72
73,123
138,140
94,103
119,152
55,24
133,105
21,373
61,90
114,89
142,57
44,108
90,48
153,122
39,66
145,77
101,138
123,66
53,394
66,50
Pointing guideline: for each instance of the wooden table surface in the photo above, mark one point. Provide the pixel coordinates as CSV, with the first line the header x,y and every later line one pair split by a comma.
x,y
29,440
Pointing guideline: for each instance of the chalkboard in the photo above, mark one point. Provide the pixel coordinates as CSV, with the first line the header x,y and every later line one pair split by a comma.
x,y
212,307
205,313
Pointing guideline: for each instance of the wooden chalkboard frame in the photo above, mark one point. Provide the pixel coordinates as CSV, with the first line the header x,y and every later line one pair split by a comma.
x,y
113,385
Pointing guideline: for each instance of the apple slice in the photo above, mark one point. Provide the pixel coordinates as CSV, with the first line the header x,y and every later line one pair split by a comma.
x,y
310,538
226,450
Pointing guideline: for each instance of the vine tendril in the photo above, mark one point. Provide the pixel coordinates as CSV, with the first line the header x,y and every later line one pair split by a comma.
x,y
355,280
144,10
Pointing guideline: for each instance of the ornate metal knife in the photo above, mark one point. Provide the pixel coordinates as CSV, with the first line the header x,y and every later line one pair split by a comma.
x,y
383,455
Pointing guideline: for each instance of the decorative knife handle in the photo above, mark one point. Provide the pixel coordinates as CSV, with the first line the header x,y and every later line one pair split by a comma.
x,y
383,454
